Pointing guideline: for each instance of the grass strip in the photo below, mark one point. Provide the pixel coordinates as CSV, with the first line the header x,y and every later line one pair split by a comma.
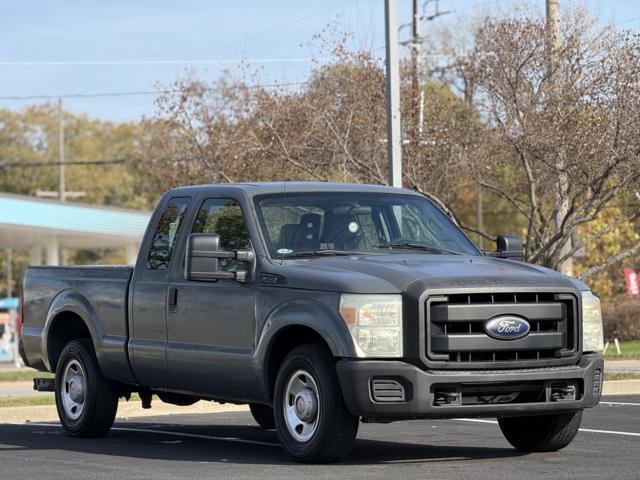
x,y
621,376
43,399
29,401
22,375
630,350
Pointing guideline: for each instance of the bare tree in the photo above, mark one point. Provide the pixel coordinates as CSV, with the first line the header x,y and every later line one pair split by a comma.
x,y
330,129
585,107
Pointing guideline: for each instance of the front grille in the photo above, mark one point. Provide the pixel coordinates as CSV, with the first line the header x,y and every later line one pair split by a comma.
x,y
537,391
456,335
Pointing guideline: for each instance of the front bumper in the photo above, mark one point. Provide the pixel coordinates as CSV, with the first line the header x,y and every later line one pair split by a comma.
x,y
423,389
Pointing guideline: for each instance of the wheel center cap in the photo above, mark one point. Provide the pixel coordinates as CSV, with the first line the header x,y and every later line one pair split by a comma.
x,y
76,389
306,405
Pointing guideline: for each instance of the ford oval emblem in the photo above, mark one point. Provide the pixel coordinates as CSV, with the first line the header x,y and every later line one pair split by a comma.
x,y
507,327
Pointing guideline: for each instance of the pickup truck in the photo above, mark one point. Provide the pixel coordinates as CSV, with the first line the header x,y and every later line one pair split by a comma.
x,y
319,305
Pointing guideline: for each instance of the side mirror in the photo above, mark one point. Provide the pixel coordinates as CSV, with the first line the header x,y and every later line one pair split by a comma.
x,y
509,246
203,256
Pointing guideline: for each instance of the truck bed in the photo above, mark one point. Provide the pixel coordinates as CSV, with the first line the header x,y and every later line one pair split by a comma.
x,y
102,292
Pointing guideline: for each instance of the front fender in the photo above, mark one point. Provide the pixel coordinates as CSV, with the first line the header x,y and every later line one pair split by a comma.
x,y
303,313
73,302
312,314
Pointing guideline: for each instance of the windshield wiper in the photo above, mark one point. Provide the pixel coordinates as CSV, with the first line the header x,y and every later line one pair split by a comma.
x,y
326,252
417,246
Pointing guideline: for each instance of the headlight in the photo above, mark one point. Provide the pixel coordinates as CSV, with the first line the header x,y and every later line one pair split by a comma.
x,y
592,333
375,323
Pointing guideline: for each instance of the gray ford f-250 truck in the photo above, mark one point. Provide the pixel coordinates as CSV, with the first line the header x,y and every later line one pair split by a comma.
x,y
319,305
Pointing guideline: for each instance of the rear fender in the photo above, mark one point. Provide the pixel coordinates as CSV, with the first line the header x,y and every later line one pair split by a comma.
x,y
70,301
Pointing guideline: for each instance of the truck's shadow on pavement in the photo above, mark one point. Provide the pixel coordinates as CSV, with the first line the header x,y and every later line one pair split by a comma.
x,y
232,445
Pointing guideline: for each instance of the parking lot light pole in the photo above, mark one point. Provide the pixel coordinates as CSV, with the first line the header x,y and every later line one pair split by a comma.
x,y
394,142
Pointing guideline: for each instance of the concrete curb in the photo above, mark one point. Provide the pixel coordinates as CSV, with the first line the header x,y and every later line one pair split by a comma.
x,y
621,387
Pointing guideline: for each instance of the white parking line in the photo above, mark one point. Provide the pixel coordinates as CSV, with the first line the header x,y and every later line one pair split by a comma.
x,y
589,430
620,403
611,432
171,433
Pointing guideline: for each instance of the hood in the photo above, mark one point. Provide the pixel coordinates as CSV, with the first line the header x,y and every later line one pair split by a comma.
x,y
394,273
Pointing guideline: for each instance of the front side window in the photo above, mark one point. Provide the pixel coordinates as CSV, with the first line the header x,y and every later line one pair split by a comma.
x,y
224,217
342,222
164,238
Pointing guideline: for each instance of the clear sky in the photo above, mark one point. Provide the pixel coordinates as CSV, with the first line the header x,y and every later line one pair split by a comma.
x,y
277,32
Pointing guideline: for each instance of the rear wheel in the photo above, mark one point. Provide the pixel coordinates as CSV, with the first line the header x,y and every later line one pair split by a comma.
x,y
263,415
541,433
312,420
86,401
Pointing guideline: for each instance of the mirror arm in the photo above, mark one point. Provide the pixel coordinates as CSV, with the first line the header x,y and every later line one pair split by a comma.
x,y
244,255
219,254
240,255
237,276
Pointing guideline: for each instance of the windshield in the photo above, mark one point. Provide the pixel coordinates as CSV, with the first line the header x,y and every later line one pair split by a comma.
x,y
335,223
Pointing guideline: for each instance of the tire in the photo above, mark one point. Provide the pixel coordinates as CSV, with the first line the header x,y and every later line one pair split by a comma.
x,y
263,415
86,401
308,373
541,433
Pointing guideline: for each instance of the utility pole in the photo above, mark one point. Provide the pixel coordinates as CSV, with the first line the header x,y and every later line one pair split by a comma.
x,y
562,188
62,193
480,218
394,141
553,26
415,45
61,183
468,100
415,56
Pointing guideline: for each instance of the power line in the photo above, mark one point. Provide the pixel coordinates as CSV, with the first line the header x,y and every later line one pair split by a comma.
x,y
227,45
57,164
56,63
19,63
282,26
133,93
629,20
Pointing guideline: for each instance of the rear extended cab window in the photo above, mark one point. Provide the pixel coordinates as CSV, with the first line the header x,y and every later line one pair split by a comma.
x,y
164,238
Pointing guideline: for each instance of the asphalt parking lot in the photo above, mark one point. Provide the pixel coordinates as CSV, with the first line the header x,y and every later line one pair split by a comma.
x,y
229,445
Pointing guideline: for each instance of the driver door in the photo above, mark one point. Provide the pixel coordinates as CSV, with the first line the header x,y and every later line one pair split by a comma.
x,y
211,324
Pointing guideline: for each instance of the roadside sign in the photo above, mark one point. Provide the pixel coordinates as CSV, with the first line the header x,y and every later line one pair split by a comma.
x,y
633,285
9,303
8,324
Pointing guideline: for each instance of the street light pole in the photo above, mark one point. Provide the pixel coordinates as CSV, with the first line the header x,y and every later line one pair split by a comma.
x,y
394,141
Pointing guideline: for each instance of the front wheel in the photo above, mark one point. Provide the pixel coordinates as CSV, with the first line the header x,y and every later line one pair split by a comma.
x,y
86,401
541,433
312,420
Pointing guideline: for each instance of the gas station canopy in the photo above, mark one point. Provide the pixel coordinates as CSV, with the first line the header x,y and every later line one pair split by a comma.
x,y
36,224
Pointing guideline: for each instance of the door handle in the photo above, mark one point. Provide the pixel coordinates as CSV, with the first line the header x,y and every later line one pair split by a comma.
x,y
172,299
